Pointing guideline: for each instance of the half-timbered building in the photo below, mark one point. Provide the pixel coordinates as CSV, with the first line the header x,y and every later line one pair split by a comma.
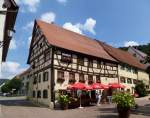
x,y
59,57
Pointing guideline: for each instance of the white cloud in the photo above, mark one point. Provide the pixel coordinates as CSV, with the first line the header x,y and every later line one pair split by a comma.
x,y
31,5
29,41
10,69
88,26
48,17
62,1
131,43
13,45
71,27
29,25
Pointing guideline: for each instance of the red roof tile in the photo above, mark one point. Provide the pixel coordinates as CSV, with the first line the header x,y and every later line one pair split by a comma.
x,y
62,38
122,56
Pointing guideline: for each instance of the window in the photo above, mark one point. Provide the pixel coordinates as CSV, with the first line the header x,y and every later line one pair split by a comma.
x,y
98,64
33,94
39,78
98,80
134,70
122,79
45,94
134,55
122,67
60,77
35,80
135,81
90,79
45,76
129,81
81,61
47,56
81,78
39,94
66,58
128,69
72,78
90,63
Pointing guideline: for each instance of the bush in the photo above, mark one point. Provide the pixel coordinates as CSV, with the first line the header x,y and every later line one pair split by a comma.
x,y
140,89
64,99
123,100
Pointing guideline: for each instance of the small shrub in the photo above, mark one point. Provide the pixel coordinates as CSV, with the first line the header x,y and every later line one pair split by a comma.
x,y
140,89
123,100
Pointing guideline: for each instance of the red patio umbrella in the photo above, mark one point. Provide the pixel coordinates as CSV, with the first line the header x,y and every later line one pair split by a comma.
x,y
79,85
116,85
88,87
97,86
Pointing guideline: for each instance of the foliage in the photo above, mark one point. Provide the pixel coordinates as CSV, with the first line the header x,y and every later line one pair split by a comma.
x,y
14,83
64,99
143,48
123,100
141,89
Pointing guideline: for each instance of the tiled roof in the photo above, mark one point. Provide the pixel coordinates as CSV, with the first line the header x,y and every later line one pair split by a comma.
x,y
62,38
122,56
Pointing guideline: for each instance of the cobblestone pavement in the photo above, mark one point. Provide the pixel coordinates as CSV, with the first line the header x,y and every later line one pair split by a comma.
x,y
24,109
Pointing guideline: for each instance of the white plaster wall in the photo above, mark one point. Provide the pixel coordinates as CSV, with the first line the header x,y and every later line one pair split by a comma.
x,y
143,76
2,24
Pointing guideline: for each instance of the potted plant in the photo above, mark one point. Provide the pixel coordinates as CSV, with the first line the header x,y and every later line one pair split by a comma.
x,y
64,101
124,103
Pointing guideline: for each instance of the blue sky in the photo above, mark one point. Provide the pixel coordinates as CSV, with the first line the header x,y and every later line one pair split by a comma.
x,y
116,22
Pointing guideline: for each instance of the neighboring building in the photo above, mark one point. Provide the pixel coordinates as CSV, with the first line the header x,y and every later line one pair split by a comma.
x,y
141,56
130,70
8,14
24,77
59,57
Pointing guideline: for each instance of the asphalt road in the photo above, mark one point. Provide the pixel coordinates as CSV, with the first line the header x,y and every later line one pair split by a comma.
x,y
20,108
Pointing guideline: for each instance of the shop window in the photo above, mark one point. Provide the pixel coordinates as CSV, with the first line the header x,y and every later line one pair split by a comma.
x,y
39,94
81,78
122,79
33,94
98,79
81,61
66,58
39,78
45,76
60,77
90,63
90,79
45,94
72,78
129,80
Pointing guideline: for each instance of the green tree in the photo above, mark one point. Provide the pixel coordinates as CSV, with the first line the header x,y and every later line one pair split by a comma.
x,y
14,83
140,88
5,88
